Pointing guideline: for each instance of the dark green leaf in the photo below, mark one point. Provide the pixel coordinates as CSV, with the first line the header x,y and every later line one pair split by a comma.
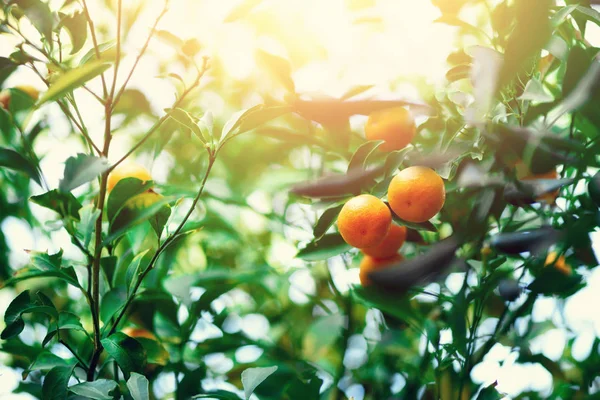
x,y
7,67
128,352
155,352
528,192
326,220
490,393
112,302
65,204
402,276
134,269
338,185
81,169
219,394
532,22
56,382
73,79
252,377
66,320
578,63
138,209
525,241
20,305
13,160
46,361
395,305
328,246
100,389
125,189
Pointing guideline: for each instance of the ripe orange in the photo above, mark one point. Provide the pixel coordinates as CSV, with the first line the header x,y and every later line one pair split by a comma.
x,y
559,263
390,244
368,264
395,126
416,194
364,221
5,99
130,170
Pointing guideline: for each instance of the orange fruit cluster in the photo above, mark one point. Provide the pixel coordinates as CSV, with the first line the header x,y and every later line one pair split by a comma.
x,y
415,194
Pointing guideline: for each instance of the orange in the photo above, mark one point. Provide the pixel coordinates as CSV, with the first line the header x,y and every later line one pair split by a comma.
x,y
559,263
369,264
395,126
364,221
416,194
130,170
135,332
390,245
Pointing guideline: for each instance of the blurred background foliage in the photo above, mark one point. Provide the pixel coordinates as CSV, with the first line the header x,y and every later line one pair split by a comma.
x,y
260,279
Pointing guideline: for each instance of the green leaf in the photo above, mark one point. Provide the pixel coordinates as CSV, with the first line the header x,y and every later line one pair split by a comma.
x,y
534,91
326,220
252,377
124,190
219,394
66,320
241,10
338,185
13,160
20,305
277,67
40,16
46,361
112,302
360,156
246,120
56,383
328,246
76,27
87,225
138,209
490,393
138,387
156,353
65,204
420,226
185,119
107,52
399,307
533,23
73,79
99,389
81,169
127,352
133,270
7,67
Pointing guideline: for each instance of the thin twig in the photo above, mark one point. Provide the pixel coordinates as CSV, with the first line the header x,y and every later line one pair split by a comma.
x,y
95,42
158,123
140,55
79,359
118,59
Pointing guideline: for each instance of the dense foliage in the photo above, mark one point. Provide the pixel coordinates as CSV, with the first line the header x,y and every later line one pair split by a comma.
x,y
228,276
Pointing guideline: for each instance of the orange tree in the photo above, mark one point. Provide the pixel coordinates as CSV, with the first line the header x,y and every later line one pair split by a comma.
x,y
159,281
